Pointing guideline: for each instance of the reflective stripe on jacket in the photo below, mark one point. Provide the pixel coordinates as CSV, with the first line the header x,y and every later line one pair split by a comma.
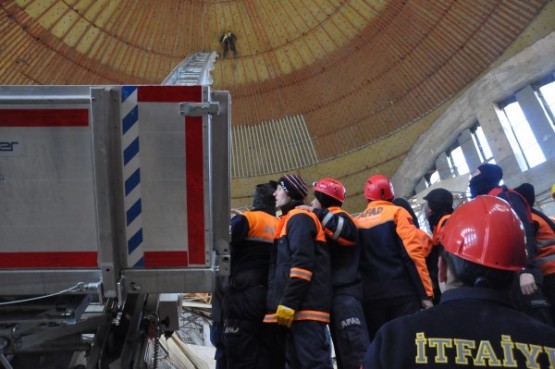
x,y
545,237
300,271
341,236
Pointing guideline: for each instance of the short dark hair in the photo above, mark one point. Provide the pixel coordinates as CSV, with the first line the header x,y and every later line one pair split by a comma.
x,y
476,275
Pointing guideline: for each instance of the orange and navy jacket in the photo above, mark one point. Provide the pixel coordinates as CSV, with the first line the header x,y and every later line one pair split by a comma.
x,y
300,272
392,254
438,228
341,235
252,236
545,237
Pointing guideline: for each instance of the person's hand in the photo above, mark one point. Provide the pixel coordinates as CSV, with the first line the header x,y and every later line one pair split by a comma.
x,y
285,316
426,304
305,207
236,212
527,283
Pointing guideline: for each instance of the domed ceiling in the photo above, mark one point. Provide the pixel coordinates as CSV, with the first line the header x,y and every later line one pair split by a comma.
x,y
345,74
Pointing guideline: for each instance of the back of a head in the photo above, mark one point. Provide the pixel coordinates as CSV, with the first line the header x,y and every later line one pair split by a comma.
x,y
528,192
263,197
485,242
484,179
378,187
440,200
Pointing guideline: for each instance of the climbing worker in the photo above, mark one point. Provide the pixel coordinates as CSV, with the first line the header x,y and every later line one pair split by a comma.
x,y
228,41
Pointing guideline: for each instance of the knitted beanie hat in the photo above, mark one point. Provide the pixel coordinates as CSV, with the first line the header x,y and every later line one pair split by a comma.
x,y
294,186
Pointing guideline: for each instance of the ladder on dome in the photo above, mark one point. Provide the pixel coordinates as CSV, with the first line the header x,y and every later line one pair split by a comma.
x,y
193,70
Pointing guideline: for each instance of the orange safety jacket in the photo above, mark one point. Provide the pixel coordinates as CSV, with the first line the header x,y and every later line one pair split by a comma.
x,y
252,236
438,228
392,254
300,271
545,237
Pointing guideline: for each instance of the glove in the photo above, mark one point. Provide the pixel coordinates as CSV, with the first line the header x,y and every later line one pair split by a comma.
x,y
527,283
285,316
426,304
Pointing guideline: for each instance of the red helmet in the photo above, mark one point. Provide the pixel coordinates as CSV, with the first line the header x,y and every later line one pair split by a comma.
x,y
331,187
378,187
488,232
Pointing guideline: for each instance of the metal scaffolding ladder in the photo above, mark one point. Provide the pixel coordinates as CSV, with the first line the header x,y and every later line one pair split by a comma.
x,y
193,70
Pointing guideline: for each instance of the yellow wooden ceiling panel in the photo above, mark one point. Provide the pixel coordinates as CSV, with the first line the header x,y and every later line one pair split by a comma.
x,y
312,43
80,27
37,7
23,3
358,14
336,35
283,61
261,68
87,40
107,8
66,19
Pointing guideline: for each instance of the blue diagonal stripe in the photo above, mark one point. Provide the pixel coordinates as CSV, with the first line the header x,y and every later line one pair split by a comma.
x,y
133,181
127,91
130,119
135,241
133,212
140,263
130,151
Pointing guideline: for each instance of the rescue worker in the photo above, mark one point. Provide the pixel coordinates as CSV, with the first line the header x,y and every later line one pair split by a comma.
x,y
348,326
527,294
228,40
395,278
252,236
438,209
474,325
299,293
217,327
544,232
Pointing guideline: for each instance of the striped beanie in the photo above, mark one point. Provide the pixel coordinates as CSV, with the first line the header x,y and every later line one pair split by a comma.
x,y
294,186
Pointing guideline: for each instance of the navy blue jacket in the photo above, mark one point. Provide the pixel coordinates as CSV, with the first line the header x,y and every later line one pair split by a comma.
x,y
300,271
341,236
471,328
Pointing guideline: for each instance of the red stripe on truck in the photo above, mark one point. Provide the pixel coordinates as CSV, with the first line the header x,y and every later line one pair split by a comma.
x,y
194,174
44,117
165,259
9,260
169,94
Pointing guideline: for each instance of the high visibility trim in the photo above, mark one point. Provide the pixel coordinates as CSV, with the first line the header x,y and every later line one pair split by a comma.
x,y
546,243
316,315
340,224
326,219
270,318
301,273
545,259
319,316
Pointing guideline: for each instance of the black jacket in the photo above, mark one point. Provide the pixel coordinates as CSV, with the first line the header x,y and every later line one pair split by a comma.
x,y
471,328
